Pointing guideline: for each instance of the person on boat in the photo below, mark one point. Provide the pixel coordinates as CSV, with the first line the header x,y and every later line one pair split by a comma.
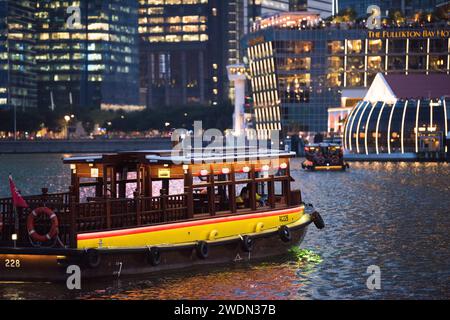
x,y
244,196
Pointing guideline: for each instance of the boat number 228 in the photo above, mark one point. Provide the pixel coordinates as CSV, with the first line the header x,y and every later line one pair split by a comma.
x,y
12,263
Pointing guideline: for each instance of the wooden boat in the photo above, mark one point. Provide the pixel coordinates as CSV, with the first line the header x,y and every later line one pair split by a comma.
x,y
324,156
149,211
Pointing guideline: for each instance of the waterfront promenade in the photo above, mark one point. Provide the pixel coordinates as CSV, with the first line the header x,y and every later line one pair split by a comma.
x,y
82,146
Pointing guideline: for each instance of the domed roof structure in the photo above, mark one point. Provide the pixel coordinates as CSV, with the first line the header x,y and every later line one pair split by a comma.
x,y
388,122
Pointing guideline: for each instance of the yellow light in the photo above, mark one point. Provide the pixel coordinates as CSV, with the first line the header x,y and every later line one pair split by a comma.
x,y
94,172
14,237
246,169
283,165
225,170
204,172
73,166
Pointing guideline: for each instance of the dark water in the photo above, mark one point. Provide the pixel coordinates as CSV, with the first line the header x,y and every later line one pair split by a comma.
x,y
393,215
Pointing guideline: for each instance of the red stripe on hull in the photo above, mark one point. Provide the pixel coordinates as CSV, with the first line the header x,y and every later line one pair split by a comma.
x,y
126,232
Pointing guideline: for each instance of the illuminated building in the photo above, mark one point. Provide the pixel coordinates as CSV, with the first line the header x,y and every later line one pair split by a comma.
x,y
325,8
17,38
181,56
93,62
401,116
187,44
300,66
243,14
407,7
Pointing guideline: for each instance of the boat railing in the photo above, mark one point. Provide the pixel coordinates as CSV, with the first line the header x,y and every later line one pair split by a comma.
x,y
111,214
12,224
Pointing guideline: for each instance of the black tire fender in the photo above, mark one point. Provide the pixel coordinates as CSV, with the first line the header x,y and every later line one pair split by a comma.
x,y
318,220
92,258
202,249
247,243
154,256
285,234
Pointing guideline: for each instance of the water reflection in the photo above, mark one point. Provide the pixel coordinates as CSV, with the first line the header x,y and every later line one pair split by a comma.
x,y
394,215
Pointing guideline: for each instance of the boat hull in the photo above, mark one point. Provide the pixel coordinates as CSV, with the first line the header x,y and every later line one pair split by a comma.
x,y
52,265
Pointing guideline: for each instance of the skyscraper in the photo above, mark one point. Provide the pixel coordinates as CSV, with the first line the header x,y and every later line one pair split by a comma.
x,y
17,38
186,45
87,54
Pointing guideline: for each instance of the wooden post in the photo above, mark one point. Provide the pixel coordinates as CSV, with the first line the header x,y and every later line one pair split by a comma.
x,y
232,189
149,192
164,204
123,175
252,190
188,181
271,191
73,222
105,181
138,179
211,195
108,213
113,182
138,202
44,196
99,188
288,184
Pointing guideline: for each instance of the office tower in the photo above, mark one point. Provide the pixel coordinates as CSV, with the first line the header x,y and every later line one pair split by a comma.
x,y
187,44
87,54
181,52
17,64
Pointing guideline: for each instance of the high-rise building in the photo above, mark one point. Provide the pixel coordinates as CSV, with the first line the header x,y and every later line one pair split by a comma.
x,y
187,44
87,54
300,67
17,62
181,52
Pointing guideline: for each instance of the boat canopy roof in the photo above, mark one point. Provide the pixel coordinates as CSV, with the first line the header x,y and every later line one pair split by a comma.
x,y
183,156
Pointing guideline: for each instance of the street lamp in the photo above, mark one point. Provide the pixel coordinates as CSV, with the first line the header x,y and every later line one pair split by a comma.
x,y
67,119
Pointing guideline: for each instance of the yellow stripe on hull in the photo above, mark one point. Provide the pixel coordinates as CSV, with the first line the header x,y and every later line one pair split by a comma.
x,y
192,231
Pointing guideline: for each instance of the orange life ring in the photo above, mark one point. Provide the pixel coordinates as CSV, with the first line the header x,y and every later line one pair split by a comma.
x,y
54,230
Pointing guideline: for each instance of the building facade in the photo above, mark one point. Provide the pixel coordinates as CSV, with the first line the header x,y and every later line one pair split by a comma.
x,y
407,7
181,53
187,44
18,86
325,8
87,54
299,71
401,116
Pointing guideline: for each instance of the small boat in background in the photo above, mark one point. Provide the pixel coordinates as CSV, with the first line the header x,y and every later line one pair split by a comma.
x,y
324,156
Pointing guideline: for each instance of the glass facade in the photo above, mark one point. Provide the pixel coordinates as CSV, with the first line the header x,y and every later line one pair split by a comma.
x,y
313,66
407,126
18,86
93,62
181,54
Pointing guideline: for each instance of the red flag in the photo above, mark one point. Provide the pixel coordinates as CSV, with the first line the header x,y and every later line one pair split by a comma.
x,y
17,199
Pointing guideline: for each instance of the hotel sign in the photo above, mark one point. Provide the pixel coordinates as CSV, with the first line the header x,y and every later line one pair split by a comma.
x,y
409,34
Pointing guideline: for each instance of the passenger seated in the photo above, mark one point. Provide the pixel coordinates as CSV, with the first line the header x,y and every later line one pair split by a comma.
x,y
244,197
